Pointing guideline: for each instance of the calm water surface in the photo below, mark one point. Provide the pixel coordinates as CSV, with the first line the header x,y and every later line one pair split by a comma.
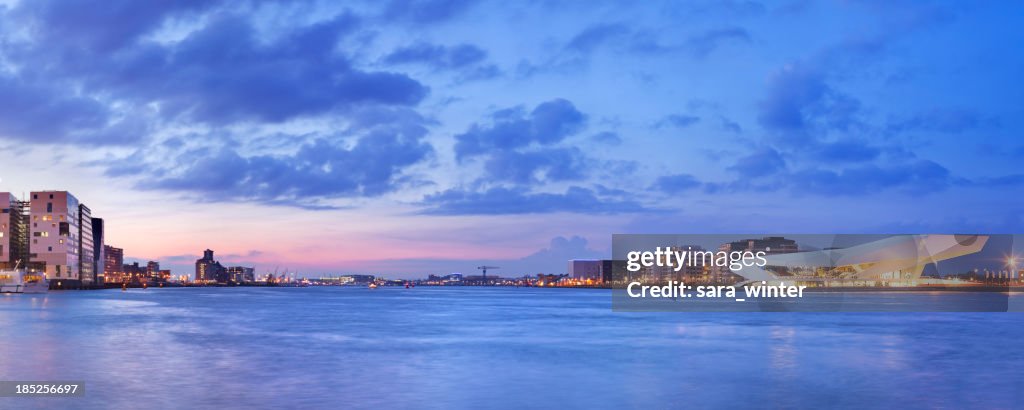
x,y
491,348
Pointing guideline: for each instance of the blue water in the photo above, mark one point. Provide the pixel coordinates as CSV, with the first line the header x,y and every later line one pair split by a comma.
x,y
491,348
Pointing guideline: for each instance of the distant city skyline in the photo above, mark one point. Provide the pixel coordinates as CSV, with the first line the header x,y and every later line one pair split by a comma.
x,y
430,137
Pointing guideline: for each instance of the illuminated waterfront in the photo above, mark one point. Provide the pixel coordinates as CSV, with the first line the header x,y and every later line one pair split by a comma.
x,y
472,347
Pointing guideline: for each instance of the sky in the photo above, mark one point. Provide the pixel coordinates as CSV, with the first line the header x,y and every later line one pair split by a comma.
x,y
413,137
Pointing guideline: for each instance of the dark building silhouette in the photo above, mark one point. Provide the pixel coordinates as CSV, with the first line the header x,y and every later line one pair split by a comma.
x,y
209,270
99,258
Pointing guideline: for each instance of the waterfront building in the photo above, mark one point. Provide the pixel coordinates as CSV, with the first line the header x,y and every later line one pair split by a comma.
x,y
208,270
898,260
113,264
55,237
54,234
163,275
585,269
13,231
608,269
450,279
134,273
86,247
99,248
771,245
241,274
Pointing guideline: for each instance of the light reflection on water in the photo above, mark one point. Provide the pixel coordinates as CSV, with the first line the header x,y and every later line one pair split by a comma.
x,y
493,348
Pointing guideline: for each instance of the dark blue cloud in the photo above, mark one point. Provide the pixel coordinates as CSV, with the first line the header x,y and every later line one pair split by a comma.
x,y
704,43
763,162
597,35
911,176
519,148
548,123
224,72
672,184
537,165
947,121
730,125
318,170
717,8
678,120
100,27
425,11
504,201
921,176
41,113
438,56
799,101
847,151
467,60
630,39
607,137
1014,180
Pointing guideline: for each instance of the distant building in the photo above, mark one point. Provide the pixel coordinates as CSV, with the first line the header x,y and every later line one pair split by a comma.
x,y
209,270
585,269
453,279
113,261
134,273
608,269
360,279
163,275
14,219
241,274
86,249
99,251
770,245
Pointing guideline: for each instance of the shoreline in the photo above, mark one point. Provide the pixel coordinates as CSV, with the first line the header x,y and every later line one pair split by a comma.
x,y
845,289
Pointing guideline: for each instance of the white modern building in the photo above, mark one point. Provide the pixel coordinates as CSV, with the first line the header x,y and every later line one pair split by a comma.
x,y
898,260
55,236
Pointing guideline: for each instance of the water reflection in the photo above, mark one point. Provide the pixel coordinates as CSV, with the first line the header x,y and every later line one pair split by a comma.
x,y
492,348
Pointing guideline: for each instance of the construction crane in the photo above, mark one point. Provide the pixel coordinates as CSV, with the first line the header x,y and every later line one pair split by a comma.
x,y
485,268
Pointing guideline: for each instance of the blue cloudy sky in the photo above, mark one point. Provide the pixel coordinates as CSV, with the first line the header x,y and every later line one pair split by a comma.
x,y
429,136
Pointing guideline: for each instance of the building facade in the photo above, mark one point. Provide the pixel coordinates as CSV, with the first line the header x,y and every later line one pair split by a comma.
x,y
86,247
241,274
209,270
99,259
13,231
113,261
585,269
54,233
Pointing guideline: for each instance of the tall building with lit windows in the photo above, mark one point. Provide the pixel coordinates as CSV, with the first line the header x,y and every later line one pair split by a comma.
x,y
113,264
13,231
209,270
86,249
55,245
